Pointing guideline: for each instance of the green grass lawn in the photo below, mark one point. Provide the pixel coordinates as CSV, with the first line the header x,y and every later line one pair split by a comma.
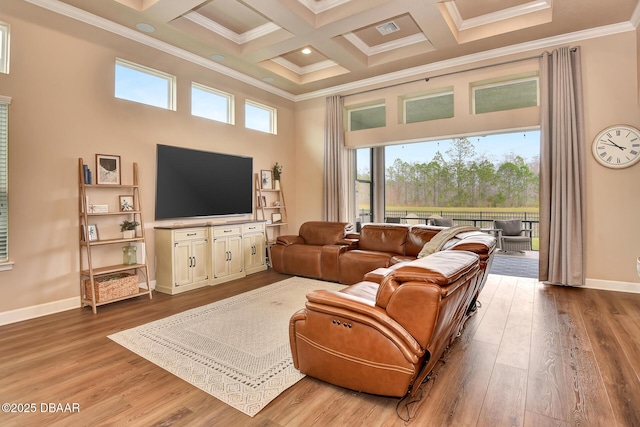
x,y
449,209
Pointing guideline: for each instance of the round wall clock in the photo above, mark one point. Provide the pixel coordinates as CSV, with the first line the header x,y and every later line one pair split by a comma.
x,y
617,146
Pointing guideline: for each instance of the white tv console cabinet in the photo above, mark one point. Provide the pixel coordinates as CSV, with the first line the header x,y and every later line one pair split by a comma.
x,y
192,256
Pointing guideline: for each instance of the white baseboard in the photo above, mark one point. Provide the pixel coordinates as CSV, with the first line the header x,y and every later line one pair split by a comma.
x,y
610,285
45,309
34,311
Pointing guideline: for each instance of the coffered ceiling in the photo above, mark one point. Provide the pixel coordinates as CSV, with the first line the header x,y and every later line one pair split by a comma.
x,y
349,42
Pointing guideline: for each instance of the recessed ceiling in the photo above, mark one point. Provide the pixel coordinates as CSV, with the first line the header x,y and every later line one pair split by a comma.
x,y
263,39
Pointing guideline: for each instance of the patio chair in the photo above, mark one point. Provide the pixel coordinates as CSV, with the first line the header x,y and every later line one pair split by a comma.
x,y
392,220
512,236
442,222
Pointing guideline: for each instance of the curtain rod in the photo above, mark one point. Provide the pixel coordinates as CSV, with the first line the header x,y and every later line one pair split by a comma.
x,y
426,79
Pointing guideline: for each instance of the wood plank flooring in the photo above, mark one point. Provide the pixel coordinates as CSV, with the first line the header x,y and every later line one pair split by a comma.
x,y
533,355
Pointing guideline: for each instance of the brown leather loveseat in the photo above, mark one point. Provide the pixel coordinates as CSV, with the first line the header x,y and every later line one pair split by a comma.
x,y
384,338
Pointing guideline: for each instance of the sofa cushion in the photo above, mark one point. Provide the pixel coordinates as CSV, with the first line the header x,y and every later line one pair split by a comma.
x,y
353,265
322,232
417,237
383,238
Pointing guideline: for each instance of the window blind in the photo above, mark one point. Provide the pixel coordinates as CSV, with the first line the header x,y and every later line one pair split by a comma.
x,y
4,180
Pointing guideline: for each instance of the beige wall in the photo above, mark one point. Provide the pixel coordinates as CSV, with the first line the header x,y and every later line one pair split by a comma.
x,y
610,95
63,108
61,84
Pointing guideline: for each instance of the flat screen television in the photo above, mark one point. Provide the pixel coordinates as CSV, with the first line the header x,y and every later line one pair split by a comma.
x,y
194,183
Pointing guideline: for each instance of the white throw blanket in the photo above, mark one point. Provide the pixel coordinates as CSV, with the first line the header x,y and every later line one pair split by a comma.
x,y
439,240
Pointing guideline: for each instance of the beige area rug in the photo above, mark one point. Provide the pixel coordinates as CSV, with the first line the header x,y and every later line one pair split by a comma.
x,y
236,349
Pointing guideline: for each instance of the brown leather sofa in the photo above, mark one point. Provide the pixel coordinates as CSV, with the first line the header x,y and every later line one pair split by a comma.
x,y
385,245
314,252
331,251
384,338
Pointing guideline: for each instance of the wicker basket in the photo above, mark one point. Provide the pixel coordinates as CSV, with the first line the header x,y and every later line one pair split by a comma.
x,y
112,286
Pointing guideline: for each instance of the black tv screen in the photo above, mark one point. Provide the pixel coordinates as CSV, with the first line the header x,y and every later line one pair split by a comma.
x,y
191,183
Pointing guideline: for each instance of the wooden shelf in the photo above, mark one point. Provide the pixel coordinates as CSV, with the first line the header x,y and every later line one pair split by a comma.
x,y
111,213
88,269
110,241
112,269
265,199
124,186
141,291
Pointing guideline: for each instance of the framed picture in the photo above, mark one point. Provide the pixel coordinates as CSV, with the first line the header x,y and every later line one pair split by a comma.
x,y
92,232
126,203
263,201
107,169
276,217
266,179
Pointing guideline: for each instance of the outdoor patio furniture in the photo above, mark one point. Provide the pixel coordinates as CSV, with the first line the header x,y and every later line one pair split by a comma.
x,y
442,222
513,237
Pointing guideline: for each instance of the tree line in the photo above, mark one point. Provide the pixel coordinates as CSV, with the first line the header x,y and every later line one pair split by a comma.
x,y
462,179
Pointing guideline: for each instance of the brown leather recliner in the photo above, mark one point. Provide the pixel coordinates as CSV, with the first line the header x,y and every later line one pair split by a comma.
x,y
314,252
384,338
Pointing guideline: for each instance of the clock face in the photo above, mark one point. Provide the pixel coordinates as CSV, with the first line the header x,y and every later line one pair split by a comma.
x,y
617,146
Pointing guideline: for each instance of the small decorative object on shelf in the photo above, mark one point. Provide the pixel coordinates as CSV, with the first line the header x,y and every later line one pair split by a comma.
x,y
108,169
277,171
129,256
128,229
266,180
92,232
98,208
126,203
87,175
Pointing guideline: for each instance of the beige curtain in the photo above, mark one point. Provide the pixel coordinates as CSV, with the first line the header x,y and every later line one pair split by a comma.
x,y
562,169
333,200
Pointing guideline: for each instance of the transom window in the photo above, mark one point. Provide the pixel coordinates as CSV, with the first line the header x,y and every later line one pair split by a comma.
x,y
260,117
428,107
145,85
211,104
367,117
504,95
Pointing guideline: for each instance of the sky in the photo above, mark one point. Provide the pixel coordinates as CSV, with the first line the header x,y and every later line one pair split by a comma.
x,y
494,147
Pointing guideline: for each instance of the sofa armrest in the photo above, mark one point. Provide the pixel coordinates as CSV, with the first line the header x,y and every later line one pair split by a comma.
x,y
288,240
330,256
348,243
361,310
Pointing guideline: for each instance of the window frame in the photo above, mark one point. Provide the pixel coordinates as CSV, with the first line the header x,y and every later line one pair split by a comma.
x,y
5,30
368,106
169,78
230,99
5,264
475,86
273,116
405,99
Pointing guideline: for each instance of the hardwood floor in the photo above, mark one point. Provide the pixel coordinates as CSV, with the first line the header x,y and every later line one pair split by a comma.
x,y
533,355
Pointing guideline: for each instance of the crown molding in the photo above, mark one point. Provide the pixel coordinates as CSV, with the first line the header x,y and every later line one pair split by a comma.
x,y
492,18
223,31
319,6
473,58
384,47
96,21
88,18
306,69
